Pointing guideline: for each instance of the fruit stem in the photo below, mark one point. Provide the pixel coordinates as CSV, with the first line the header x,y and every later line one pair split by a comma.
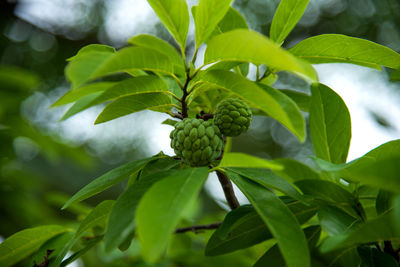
x,y
184,96
196,228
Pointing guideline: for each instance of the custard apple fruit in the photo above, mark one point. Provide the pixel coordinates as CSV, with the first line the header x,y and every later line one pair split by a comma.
x,y
196,141
233,117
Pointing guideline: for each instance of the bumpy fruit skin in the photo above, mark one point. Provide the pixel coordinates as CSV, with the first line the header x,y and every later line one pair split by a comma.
x,y
196,141
233,117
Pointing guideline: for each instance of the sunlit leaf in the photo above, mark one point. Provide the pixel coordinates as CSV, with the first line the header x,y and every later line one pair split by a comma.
x,y
150,41
207,15
286,17
164,203
330,125
301,99
133,103
330,48
246,161
271,101
80,105
23,243
249,46
174,14
279,220
108,179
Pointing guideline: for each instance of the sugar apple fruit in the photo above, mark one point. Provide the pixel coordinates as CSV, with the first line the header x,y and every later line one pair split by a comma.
x,y
196,141
233,117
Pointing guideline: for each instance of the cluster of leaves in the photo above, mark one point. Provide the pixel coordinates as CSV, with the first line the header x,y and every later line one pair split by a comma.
x,y
332,213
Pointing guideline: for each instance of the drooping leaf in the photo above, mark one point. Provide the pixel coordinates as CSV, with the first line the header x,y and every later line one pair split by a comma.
x,y
381,228
134,58
133,103
279,220
150,41
271,101
108,179
82,66
330,125
231,21
23,243
121,221
160,209
206,16
80,105
244,160
268,179
74,95
286,17
301,99
249,46
174,14
330,48
371,257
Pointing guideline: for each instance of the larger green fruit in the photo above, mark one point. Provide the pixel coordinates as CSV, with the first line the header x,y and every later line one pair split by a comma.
x,y
196,141
233,117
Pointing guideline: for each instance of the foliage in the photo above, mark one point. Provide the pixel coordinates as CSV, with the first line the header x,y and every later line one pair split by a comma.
x,y
309,215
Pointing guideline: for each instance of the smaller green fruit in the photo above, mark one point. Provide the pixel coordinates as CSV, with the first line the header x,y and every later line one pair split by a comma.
x,y
233,117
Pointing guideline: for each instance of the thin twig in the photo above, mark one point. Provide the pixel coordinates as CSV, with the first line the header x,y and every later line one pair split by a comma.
x,y
228,190
205,116
196,228
184,96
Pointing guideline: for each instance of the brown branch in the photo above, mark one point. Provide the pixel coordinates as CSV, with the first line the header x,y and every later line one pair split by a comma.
x,y
228,190
196,228
184,96
177,115
205,116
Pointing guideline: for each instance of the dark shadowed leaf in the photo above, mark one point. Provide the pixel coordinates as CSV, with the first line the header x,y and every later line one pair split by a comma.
x,y
371,257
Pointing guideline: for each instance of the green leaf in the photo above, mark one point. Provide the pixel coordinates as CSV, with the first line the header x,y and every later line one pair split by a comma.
x,y
334,221
107,180
121,221
271,101
273,256
331,48
170,122
295,171
268,179
174,14
395,75
383,201
231,21
88,245
206,16
150,41
23,243
160,209
249,46
330,125
371,257
302,100
133,103
379,229
86,62
279,220
134,58
74,95
98,217
244,160
286,17
80,105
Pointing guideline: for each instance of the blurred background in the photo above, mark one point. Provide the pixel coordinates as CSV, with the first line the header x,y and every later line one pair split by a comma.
x,y
44,161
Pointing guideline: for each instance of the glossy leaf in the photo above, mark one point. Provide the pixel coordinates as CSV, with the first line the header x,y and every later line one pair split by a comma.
x,y
150,41
334,221
74,95
164,202
80,105
133,103
271,101
206,16
244,160
286,17
371,257
330,48
231,21
86,62
330,125
107,180
121,221
268,179
23,243
174,14
279,220
249,46
302,100
383,201
134,58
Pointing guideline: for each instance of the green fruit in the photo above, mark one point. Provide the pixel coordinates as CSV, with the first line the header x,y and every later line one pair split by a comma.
x,y
196,141
233,117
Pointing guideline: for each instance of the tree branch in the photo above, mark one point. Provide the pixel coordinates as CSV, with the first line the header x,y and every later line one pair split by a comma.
x,y
228,190
184,96
196,228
